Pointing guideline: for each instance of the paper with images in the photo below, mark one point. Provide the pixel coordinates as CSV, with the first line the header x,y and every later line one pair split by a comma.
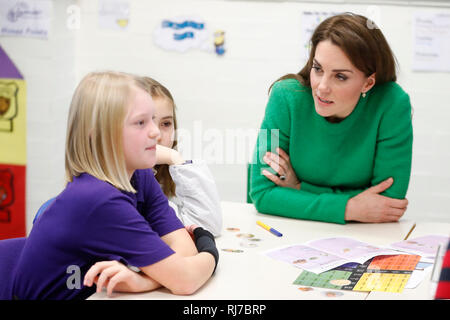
x,y
425,246
306,258
350,249
325,254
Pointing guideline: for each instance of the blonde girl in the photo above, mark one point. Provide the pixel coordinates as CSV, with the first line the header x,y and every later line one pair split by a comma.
x,y
112,212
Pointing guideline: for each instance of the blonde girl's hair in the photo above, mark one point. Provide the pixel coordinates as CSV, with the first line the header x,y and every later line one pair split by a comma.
x,y
157,90
94,130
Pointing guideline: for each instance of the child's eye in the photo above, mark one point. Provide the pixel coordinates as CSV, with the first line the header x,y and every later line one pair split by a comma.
x,y
167,124
140,122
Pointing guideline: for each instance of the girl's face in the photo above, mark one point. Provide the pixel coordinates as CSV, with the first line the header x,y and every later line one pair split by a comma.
x,y
336,83
140,134
164,121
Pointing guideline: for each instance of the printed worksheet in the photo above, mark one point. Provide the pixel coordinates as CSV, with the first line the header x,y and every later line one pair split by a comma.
x,y
306,258
425,246
325,254
350,249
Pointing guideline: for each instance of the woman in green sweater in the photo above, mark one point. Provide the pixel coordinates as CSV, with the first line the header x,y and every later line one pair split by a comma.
x,y
335,144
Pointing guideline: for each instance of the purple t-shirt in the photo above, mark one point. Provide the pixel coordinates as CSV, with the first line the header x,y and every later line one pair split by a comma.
x,y
93,221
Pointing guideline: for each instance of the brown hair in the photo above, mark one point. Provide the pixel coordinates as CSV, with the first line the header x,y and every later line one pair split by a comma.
x,y
362,42
157,90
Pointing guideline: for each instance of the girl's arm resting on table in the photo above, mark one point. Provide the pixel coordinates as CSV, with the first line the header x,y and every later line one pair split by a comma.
x,y
183,272
186,274
181,275
181,242
115,276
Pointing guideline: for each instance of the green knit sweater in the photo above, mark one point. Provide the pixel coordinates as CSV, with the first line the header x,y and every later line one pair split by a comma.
x,y
333,161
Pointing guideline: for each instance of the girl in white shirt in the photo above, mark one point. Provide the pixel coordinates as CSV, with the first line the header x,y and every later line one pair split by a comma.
x,y
189,185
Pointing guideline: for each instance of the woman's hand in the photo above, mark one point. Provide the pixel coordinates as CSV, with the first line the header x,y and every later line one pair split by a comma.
x,y
165,155
370,206
115,276
282,165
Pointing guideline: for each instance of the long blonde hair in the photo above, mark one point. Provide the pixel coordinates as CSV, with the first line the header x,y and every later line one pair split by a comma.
x,y
94,129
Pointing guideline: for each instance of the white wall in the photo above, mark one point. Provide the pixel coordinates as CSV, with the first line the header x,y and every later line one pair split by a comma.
x,y
217,97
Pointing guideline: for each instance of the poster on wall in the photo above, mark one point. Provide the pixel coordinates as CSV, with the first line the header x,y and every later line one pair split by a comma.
x,y
12,203
25,18
13,149
183,33
114,14
431,41
309,21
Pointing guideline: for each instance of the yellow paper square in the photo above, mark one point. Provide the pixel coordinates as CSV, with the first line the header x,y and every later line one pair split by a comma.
x,y
386,282
13,121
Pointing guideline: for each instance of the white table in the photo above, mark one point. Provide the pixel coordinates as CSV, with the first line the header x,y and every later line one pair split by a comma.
x,y
250,275
426,289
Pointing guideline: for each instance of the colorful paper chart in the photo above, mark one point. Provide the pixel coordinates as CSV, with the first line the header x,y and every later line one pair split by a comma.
x,y
13,148
333,279
387,282
401,262
382,273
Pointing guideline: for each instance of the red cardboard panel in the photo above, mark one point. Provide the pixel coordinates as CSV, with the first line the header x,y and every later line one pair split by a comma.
x,y
12,201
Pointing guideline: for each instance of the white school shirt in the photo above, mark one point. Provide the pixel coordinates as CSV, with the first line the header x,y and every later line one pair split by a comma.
x,y
196,199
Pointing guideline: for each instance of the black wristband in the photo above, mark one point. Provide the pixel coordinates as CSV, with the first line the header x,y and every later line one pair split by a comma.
x,y
200,232
204,241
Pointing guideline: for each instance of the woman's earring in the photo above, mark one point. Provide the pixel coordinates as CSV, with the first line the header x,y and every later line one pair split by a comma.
x,y
364,95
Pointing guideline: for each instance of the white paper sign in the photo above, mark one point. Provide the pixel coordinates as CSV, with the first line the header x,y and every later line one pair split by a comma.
x,y
431,42
310,20
183,33
25,18
113,14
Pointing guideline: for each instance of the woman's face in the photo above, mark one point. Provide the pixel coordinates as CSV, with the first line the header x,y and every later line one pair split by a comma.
x,y
164,121
336,83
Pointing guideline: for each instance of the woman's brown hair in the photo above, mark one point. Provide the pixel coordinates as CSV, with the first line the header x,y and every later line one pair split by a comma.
x,y
157,90
362,42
